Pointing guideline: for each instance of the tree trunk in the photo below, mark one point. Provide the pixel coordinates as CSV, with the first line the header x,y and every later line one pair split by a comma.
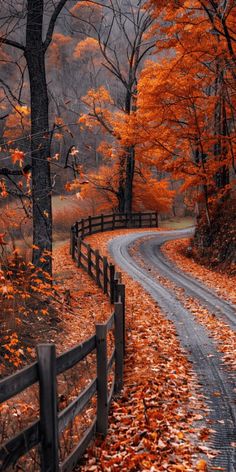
x,y
128,195
130,158
40,138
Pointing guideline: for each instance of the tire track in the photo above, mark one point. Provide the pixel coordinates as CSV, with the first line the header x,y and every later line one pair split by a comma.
x,y
217,383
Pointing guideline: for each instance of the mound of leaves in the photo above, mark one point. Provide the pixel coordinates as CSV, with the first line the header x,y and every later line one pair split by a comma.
x,y
215,245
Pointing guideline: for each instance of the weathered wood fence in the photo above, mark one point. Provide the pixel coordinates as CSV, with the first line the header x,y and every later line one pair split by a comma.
x,y
100,223
45,431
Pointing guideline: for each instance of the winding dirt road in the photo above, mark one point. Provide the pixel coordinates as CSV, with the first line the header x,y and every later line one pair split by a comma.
x,y
218,383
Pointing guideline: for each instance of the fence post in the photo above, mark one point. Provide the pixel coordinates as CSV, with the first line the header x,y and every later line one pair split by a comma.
x,y
97,267
121,293
78,251
82,228
156,219
48,407
112,282
89,259
102,223
72,241
102,403
105,275
119,347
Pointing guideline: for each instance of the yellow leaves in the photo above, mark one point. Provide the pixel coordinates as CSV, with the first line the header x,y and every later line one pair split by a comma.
x,y
23,110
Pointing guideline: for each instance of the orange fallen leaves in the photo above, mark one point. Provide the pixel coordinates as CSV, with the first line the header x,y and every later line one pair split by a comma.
x,y
151,423
221,283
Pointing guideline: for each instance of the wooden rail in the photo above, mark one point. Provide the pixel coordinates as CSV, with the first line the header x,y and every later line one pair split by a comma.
x,y
112,221
45,431
50,424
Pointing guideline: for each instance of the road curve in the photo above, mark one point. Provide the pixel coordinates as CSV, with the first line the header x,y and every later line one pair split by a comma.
x,y
151,250
217,382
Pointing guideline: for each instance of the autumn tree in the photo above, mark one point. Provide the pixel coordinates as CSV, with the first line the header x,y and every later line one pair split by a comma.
x,y
121,43
186,101
185,117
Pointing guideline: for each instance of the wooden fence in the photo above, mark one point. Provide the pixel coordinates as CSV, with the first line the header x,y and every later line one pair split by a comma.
x,y
97,224
45,431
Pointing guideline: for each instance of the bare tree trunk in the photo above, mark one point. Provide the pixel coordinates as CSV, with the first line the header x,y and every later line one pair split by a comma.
x,y
130,154
128,194
40,138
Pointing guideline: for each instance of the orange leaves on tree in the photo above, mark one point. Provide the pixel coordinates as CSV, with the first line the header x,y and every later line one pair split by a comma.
x,y
87,46
17,122
59,42
202,465
17,156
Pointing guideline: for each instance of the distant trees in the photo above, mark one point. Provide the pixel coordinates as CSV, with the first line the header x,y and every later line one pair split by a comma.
x,y
122,41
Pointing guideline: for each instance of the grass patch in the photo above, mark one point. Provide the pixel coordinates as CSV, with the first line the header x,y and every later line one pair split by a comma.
x,y
177,222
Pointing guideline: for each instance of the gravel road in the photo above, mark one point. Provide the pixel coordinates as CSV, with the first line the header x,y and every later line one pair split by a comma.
x,y
218,384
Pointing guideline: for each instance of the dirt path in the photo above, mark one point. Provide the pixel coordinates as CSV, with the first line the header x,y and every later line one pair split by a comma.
x,y
217,382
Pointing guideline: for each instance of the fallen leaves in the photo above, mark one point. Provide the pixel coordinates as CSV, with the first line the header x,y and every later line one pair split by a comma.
x,y
224,285
218,329
152,424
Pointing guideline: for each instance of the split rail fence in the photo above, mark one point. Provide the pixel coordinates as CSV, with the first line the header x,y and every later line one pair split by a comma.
x,y
45,431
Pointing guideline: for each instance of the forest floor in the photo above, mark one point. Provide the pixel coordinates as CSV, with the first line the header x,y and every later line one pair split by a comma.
x,y
222,283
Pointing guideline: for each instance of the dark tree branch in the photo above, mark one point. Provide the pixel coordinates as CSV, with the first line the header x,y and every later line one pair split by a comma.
x,y
12,43
5,171
52,23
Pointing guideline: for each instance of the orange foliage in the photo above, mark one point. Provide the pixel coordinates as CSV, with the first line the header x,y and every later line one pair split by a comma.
x,y
17,156
185,105
59,42
148,192
17,122
87,46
